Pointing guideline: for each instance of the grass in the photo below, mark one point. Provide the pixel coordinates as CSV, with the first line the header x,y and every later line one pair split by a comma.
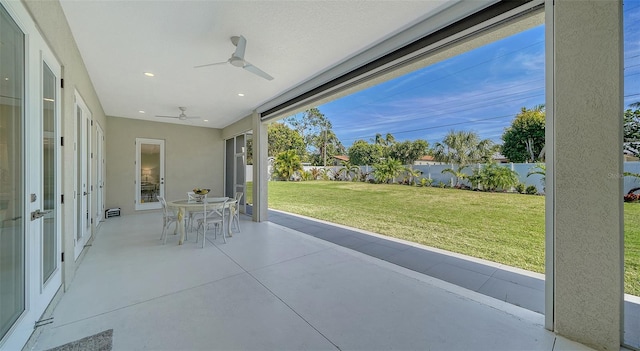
x,y
472,223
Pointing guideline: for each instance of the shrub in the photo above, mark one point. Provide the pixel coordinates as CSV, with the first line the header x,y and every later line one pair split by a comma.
x,y
632,197
426,182
493,177
531,190
520,188
306,175
287,163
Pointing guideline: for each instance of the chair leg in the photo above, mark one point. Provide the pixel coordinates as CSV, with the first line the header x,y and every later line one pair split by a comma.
x,y
164,233
224,237
204,234
236,220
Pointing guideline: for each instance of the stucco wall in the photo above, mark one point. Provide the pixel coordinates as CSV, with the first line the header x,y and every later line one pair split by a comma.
x,y
53,25
587,206
193,158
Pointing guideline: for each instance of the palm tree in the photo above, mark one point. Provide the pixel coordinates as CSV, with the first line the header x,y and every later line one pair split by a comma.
x,y
387,170
463,148
347,169
541,169
287,163
458,174
411,175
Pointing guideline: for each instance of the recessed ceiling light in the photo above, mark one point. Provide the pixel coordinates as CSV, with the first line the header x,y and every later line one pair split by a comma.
x,y
141,111
6,78
240,94
206,120
149,74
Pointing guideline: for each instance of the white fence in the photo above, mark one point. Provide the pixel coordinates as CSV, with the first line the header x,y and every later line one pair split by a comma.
x,y
435,172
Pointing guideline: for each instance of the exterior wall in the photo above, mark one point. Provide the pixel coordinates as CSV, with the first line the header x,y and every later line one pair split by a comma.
x,y
242,126
53,25
193,158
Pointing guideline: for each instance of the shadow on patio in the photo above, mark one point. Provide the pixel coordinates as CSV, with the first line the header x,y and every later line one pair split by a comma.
x,y
273,288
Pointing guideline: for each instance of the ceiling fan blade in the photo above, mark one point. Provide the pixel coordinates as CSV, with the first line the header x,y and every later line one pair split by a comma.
x,y
255,70
211,64
240,47
167,116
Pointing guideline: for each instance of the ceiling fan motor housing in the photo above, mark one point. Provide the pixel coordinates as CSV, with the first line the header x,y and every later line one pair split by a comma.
x,y
236,61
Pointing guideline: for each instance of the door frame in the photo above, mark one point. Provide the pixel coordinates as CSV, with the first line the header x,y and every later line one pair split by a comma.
x,y
100,163
82,168
138,201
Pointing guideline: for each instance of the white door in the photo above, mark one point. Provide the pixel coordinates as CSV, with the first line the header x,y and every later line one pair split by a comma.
x,y
99,214
30,234
149,173
83,167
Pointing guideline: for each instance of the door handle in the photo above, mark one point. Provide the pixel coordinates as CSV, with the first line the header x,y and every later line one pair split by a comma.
x,y
85,193
38,214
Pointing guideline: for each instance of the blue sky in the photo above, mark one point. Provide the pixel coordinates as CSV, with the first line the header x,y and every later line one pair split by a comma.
x,y
481,90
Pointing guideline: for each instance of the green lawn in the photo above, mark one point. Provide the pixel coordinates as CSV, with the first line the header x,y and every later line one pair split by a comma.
x,y
504,228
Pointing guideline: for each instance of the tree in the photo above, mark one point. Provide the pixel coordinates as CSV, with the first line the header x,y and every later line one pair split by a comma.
x,y
347,169
407,152
388,140
463,148
321,142
457,173
386,170
524,139
326,146
282,138
362,153
631,129
540,169
287,163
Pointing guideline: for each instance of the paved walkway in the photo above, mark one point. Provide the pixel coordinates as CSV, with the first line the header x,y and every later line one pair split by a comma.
x,y
516,286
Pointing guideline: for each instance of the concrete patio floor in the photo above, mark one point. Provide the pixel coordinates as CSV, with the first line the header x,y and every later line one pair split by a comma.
x,y
273,288
510,284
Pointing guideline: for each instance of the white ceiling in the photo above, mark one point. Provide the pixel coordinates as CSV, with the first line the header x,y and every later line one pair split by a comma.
x,y
291,40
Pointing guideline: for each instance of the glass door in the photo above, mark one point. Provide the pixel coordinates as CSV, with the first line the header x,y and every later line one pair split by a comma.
x,y
240,164
149,173
99,215
30,231
83,163
49,176
235,168
12,190
44,183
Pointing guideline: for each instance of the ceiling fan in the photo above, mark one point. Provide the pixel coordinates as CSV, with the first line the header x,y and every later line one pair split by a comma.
x,y
237,59
182,115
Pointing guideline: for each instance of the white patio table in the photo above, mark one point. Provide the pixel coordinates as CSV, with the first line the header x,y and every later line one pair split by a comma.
x,y
185,204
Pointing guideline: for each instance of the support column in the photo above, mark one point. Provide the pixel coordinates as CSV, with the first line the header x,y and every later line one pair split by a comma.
x,y
260,168
584,109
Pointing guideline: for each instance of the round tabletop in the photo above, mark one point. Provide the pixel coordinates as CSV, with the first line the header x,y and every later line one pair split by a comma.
x,y
189,202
